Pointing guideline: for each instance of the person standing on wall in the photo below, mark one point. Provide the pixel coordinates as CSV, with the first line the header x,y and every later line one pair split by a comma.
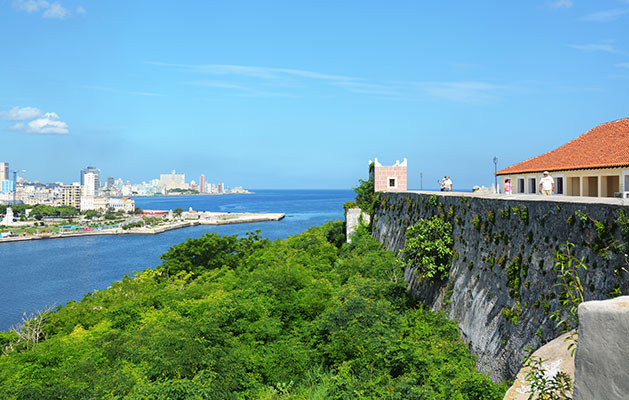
x,y
508,187
546,184
446,185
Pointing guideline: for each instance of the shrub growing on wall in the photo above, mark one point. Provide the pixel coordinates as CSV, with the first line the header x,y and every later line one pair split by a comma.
x,y
429,248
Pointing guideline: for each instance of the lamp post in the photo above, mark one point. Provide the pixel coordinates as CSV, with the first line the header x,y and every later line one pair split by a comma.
x,y
496,176
15,172
421,181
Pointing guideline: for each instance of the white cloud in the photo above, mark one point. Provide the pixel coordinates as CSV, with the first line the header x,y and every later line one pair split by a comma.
x,y
462,92
20,114
49,123
253,81
605,16
604,47
147,94
30,6
255,72
622,65
561,4
48,10
56,11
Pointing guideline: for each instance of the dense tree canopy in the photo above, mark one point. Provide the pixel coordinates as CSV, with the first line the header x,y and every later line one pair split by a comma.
x,y
246,318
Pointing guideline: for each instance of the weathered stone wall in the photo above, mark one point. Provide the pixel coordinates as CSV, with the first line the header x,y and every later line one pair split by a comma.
x,y
502,287
353,217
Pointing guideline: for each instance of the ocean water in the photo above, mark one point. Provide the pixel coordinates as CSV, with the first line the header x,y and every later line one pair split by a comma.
x,y
45,273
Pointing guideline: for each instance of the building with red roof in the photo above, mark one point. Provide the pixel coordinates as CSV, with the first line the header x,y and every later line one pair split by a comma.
x,y
595,164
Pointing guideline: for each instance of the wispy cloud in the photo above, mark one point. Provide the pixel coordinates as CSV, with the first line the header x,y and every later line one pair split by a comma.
x,y
606,46
622,65
470,92
605,16
48,123
560,4
48,10
20,114
255,81
150,94
254,72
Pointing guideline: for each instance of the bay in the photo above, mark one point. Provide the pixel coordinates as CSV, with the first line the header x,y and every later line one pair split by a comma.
x,y
45,273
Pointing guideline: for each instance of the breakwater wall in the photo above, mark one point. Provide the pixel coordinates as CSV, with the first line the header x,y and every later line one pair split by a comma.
x,y
502,285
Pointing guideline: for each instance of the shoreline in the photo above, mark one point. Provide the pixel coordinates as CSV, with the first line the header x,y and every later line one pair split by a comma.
x,y
208,219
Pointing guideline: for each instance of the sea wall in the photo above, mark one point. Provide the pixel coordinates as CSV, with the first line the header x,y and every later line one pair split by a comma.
x,y
502,286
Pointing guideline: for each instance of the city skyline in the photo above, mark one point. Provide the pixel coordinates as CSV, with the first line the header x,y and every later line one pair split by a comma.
x,y
298,95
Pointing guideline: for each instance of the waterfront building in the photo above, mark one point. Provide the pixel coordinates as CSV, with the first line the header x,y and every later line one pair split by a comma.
x,y
172,181
388,179
125,204
94,203
71,195
4,171
595,164
94,180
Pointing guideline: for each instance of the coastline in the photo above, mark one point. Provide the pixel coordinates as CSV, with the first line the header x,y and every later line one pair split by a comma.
x,y
203,218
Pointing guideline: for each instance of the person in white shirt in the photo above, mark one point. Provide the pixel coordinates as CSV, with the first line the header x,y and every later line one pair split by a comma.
x,y
446,185
546,184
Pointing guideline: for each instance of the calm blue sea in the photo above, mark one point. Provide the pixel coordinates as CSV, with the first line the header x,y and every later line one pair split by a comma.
x,y
44,273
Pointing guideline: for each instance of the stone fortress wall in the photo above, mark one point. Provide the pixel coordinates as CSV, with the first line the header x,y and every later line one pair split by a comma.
x,y
502,287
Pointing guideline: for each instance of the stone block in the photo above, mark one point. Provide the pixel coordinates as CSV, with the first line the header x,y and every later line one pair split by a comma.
x,y
602,358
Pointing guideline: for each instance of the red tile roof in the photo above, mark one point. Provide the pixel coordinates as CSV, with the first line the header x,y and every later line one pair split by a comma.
x,y
605,146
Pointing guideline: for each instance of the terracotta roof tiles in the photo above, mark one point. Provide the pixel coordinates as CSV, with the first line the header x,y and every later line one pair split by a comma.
x,y
605,146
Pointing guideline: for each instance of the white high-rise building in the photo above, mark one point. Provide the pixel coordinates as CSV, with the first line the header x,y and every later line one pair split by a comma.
x,y
4,171
173,181
89,187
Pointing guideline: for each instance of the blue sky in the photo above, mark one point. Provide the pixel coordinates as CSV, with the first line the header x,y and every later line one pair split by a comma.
x,y
296,94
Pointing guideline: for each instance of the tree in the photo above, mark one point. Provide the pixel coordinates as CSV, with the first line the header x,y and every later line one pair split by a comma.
x,y
177,211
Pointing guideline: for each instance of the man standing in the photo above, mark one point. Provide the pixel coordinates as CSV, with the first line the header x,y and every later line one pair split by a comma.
x,y
547,184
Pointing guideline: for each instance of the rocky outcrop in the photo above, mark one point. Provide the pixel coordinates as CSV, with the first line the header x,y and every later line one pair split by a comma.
x,y
502,286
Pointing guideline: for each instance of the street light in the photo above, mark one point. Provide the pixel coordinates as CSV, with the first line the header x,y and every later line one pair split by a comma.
x,y
496,176
15,172
421,181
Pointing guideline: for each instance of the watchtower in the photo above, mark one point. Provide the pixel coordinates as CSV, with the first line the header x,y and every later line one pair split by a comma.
x,y
388,179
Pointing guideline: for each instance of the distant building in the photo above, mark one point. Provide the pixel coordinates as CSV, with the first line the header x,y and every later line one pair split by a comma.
x,y
125,204
202,184
595,164
110,182
4,171
388,179
172,181
90,178
71,195
89,187
94,203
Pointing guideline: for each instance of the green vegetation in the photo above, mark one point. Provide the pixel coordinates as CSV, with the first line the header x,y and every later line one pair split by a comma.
x,y
429,248
183,191
247,318
366,196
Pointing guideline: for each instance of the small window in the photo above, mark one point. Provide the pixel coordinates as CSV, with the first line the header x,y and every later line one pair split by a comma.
x,y
392,183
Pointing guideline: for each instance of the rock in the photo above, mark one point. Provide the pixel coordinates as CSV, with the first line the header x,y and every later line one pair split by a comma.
x,y
557,357
602,358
